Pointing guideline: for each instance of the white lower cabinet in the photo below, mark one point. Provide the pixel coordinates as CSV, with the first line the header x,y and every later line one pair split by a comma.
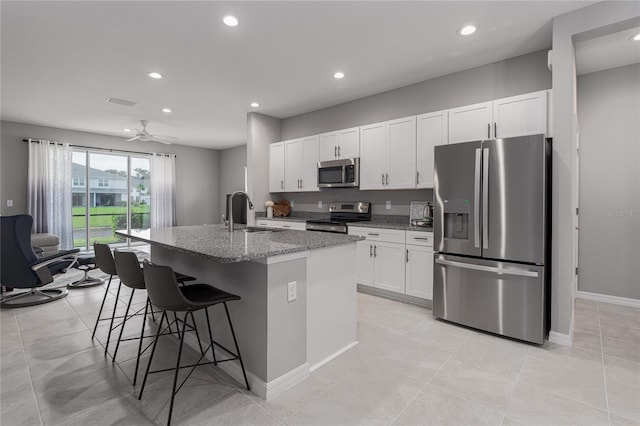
x,y
386,262
389,266
419,271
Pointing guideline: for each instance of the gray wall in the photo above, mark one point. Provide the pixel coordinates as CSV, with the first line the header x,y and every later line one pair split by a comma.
x,y
197,169
522,74
262,130
609,245
232,164
564,198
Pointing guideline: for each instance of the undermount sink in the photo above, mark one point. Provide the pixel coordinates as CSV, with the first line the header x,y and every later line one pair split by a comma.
x,y
260,229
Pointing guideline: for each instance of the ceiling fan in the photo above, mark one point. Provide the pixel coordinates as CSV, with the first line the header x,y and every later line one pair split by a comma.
x,y
145,136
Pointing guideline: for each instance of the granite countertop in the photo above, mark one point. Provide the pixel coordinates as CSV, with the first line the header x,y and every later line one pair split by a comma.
x,y
214,242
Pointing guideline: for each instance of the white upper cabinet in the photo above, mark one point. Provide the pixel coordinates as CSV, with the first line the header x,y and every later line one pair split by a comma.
x,y
401,153
432,130
301,164
293,165
387,154
470,123
520,115
276,167
340,144
310,163
503,118
373,161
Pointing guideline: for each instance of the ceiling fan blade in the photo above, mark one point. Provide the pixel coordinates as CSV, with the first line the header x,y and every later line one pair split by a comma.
x,y
135,138
160,140
165,137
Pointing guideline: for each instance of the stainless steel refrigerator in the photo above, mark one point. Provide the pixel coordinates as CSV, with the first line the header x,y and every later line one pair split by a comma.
x,y
491,235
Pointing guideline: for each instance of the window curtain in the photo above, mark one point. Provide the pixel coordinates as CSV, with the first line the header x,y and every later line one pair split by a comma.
x,y
49,190
163,190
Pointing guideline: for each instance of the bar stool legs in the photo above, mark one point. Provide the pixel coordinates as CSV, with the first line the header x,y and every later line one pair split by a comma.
x,y
104,298
235,341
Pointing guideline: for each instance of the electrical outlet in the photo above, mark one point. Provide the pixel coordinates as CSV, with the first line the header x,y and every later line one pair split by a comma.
x,y
291,203
388,205
320,204
292,291
9,203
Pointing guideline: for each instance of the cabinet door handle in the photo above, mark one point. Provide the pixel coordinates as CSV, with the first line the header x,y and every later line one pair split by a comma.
x,y
383,178
338,150
387,175
488,130
407,255
417,178
421,238
286,226
495,130
370,251
281,184
375,251
335,151
301,183
372,234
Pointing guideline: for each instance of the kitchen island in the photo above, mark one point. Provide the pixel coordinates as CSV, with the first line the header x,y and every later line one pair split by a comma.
x,y
298,290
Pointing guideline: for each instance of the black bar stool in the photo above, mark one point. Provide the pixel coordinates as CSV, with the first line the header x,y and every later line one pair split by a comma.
x,y
104,261
165,294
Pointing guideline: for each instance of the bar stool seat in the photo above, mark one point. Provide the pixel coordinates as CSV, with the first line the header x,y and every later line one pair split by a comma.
x,y
166,295
86,263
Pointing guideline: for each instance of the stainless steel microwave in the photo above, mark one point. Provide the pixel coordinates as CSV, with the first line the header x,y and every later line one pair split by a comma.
x,y
339,173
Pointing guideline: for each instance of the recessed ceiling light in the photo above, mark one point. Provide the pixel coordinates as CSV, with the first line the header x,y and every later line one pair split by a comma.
x,y
127,130
166,110
230,20
255,104
338,75
155,75
467,30
635,37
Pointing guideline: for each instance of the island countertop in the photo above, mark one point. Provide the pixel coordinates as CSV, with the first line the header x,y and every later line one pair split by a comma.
x,y
216,243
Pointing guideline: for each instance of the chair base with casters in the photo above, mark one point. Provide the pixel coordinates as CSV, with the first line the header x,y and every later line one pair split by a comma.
x,y
86,264
165,294
21,268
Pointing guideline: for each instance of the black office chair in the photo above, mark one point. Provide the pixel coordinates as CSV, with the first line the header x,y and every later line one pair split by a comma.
x,y
22,268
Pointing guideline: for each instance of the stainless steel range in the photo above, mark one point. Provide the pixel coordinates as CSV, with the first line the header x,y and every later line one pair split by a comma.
x,y
339,214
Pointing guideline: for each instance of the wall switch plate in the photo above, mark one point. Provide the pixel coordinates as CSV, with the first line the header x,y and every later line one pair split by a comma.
x,y
291,203
320,204
9,203
292,291
388,205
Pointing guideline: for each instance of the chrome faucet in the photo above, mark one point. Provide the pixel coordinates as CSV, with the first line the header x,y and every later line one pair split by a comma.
x,y
230,212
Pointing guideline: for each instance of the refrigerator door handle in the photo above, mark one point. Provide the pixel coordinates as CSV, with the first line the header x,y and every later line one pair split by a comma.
x,y
499,271
485,198
476,203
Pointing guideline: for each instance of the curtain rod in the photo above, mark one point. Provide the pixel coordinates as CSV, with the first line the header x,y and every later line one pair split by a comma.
x,y
105,149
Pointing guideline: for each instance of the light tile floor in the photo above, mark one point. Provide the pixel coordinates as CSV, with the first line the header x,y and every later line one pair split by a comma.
x,y
408,369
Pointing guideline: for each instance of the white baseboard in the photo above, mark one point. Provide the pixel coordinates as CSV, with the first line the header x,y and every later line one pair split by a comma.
x,y
560,338
616,300
331,357
265,390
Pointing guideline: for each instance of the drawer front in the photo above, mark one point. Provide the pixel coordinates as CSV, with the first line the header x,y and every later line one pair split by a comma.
x,y
378,234
420,238
282,224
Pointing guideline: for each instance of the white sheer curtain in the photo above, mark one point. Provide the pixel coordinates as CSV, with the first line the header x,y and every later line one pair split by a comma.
x,y
49,190
163,190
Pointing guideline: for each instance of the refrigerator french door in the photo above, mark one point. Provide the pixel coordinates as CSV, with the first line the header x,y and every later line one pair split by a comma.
x,y
490,235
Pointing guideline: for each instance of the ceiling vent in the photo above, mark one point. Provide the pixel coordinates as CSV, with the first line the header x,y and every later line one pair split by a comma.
x,y
121,102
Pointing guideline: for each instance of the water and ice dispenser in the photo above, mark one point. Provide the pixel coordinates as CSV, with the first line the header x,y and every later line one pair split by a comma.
x,y
456,219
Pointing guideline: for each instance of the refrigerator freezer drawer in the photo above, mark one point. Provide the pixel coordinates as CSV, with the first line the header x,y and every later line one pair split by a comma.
x,y
499,297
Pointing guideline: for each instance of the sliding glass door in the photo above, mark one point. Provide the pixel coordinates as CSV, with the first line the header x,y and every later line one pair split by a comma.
x,y
110,192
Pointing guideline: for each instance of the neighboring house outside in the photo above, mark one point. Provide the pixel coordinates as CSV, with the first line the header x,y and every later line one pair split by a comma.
x,y
106,188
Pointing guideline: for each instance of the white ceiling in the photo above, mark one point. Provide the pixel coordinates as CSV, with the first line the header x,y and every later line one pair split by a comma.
x,y
61,60
608,51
